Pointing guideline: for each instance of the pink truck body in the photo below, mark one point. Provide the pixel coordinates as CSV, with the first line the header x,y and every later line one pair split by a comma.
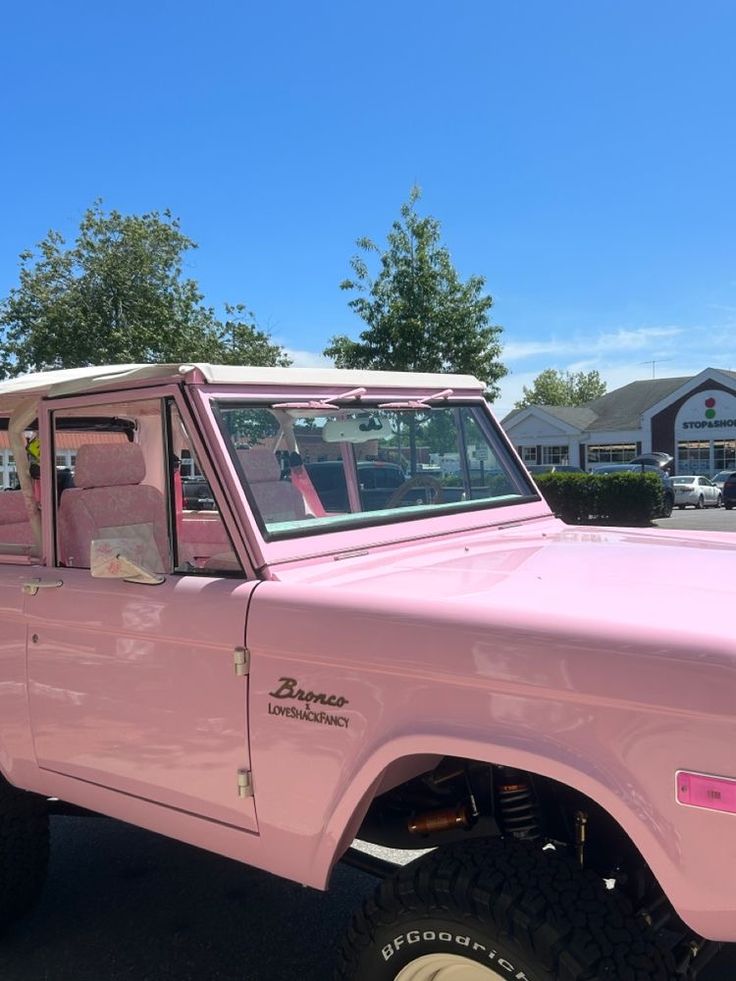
x,y
367,654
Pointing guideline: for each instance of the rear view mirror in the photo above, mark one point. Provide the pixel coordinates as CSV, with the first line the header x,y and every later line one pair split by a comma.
x,y
358,429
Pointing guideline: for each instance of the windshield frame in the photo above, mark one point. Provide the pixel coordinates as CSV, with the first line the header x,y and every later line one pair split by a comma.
x,y
361,532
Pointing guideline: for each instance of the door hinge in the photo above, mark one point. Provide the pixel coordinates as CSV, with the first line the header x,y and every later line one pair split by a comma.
x,y
245,784
241,657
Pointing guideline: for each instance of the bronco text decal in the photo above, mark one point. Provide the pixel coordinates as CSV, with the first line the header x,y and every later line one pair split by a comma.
x,y
288,689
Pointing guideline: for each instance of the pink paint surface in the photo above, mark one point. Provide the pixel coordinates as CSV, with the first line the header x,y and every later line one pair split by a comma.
x,y
602,658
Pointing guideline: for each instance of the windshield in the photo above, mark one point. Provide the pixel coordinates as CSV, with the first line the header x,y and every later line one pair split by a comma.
x,y
310,469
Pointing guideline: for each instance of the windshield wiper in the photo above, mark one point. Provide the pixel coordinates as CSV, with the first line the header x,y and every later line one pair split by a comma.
x,y
421,403
328,403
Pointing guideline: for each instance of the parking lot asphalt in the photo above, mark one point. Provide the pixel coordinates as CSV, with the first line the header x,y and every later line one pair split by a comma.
x,y
709,519
123,904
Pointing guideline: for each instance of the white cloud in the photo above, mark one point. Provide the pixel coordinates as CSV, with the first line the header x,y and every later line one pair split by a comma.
x,y
520,350
623,339
622,356
308,359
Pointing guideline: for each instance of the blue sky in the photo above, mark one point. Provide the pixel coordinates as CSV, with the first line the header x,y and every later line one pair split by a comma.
x,y
579,155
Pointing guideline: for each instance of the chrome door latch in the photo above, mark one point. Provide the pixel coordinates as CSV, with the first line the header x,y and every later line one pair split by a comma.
x,y
31,587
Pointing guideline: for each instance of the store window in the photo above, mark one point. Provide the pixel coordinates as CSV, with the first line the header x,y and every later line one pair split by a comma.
x,y
694,457
8,477
188,465
556,455
611,453
724,455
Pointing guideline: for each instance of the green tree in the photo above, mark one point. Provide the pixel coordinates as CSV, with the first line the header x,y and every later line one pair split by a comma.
x,y
420,315
553,387
118,295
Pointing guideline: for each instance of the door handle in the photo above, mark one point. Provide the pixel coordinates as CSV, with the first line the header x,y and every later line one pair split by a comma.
x,y
31,587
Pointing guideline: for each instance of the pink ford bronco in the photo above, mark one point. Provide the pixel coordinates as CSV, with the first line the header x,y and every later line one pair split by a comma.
x,y
403,646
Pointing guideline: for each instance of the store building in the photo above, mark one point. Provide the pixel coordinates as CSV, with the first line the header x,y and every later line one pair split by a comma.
x,y
693,419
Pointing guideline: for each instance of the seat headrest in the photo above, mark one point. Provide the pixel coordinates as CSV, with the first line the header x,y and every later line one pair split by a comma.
x,y
109,465
12,507
259,464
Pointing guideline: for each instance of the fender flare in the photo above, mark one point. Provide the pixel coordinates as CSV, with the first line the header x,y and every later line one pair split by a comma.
x,y
645,828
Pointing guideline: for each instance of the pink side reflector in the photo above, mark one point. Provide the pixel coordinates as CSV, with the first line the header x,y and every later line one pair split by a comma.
x,y
701,790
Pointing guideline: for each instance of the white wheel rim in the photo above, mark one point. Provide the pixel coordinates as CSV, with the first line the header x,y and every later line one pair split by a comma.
x,y
446,967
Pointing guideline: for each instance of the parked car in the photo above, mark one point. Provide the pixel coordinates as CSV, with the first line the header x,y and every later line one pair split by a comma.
x,y
721,477
378,482
668,493
543,713
661,460
197,494
553,468
728,491
696,491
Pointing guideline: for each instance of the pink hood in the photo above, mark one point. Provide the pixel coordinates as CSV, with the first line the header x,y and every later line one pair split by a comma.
x,y
602,578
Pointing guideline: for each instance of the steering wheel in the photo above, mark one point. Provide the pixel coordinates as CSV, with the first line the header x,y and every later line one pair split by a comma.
x,y
420,480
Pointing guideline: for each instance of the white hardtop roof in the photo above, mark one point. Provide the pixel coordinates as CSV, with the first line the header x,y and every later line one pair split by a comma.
x,y
78,381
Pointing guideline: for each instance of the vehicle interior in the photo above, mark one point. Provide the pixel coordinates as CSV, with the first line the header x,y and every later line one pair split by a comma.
x,y
307,467
126,473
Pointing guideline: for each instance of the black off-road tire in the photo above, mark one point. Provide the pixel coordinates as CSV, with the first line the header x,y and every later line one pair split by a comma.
x,y
24,850
524,913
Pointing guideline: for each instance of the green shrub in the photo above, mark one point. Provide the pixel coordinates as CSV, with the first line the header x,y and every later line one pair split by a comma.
x,y
614,498
570,495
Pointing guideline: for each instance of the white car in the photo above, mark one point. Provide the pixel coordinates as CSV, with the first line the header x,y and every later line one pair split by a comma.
x,y
701,492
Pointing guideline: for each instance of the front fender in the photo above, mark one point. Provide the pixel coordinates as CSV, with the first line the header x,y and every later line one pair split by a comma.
x,y
612,717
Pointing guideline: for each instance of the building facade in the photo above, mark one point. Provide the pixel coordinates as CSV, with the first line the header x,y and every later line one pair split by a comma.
x,y
693,419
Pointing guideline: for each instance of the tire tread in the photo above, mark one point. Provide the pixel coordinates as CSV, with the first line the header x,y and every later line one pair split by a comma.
x,y
538,901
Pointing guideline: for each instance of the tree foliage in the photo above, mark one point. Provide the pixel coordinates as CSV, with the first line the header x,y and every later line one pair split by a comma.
x,y
118,295
420,315
553,387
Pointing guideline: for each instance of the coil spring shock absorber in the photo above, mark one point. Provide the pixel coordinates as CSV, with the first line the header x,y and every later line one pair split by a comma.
x,y
517,805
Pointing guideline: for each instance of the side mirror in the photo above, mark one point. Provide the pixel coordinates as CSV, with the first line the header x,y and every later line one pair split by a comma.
x,y
111,558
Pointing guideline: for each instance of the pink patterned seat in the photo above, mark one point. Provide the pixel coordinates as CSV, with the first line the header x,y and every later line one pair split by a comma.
x,y
108,501
276,499
15,528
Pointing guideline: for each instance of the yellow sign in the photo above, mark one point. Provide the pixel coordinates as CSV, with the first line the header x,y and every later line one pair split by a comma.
x,y
33,448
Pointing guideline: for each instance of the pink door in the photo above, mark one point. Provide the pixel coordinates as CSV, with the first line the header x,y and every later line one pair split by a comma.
x,y
133,687
16,750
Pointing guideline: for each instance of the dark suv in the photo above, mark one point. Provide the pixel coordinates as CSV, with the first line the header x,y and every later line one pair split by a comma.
x,y
667,488
728,491
378,482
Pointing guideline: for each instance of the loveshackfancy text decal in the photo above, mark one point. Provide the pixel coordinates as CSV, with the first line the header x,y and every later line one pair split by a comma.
x,y
288,690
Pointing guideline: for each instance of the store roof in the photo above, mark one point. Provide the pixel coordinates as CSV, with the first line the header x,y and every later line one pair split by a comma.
x,y
620,409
